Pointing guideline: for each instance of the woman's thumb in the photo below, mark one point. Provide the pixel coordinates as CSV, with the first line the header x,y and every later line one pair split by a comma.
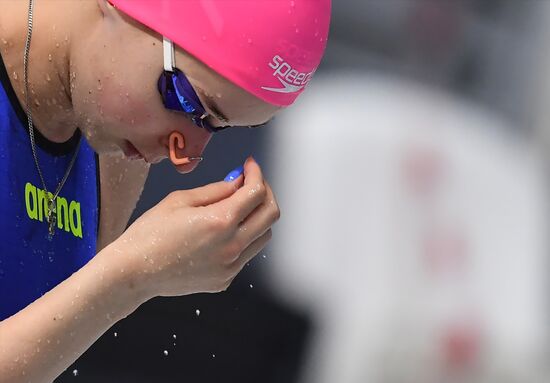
x,y
214,192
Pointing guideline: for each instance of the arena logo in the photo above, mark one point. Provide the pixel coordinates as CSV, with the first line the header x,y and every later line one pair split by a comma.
x,y
292,80
68,214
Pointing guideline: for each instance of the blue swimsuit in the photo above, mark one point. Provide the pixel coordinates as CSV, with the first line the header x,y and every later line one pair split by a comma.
x,y
31,263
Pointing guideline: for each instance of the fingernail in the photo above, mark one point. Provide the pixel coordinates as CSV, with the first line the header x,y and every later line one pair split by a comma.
x,y
234,174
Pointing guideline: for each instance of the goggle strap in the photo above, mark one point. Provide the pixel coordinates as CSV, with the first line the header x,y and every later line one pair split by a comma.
x,y
169,57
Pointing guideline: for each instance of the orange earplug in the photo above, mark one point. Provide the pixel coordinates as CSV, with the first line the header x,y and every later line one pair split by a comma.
x,y
176,138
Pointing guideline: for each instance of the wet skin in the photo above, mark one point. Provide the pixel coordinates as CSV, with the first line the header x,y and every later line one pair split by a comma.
x,y
95,69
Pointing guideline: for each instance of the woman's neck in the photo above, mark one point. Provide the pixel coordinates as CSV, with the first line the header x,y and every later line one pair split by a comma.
x,y
49,68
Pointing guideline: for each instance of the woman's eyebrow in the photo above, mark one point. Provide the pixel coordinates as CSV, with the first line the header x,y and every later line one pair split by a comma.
x,y
262,124
211,104
215,110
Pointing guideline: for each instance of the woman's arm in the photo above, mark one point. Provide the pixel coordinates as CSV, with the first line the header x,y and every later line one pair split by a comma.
x,y
193,241
121,183
42,340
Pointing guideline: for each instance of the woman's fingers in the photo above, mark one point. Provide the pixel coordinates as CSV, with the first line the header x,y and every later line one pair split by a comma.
x,y
250,252
212,193
243,202
262,218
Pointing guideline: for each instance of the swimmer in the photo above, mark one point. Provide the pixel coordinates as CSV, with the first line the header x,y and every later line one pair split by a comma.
x,y
91,94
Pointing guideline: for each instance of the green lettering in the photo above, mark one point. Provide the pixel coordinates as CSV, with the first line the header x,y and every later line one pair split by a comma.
x,y
62,213
67,214
41,203
30,193
76,227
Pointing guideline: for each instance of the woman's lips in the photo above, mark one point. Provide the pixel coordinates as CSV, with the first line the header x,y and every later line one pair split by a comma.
x,y
131,152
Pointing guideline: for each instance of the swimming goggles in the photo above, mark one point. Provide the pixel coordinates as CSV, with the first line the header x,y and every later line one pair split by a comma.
x,y
178,93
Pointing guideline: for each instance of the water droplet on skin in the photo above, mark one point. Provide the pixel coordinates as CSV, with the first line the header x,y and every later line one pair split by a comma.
x,y
165,352
66,38
36,102
75,372
4,41
15,77
197,312
50,57
57,45
48,78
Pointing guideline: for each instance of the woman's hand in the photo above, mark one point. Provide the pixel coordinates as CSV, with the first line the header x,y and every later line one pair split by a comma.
x,y
198,240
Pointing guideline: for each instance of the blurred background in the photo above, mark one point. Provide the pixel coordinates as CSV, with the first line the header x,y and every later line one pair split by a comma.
x,y
412,248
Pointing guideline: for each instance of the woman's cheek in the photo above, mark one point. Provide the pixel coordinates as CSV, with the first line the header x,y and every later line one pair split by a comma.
x,y
124,107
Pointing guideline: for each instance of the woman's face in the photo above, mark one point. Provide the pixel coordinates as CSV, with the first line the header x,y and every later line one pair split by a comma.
x,y
114,78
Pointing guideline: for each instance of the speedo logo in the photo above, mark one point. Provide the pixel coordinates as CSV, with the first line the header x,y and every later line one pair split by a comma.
x,y
291,80
68,213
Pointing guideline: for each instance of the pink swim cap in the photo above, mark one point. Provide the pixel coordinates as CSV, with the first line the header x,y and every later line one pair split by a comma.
x,y
270,48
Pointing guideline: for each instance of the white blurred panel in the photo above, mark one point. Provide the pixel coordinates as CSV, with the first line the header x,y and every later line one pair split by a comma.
x,y
413,227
